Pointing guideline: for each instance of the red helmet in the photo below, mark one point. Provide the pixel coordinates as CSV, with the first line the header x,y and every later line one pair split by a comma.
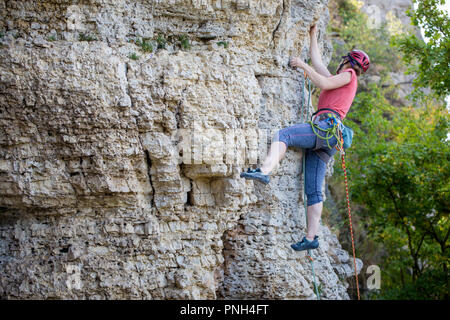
x,y
360,58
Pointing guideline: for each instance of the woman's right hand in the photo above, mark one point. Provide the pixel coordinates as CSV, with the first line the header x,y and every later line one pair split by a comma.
x,y
296,62
313,31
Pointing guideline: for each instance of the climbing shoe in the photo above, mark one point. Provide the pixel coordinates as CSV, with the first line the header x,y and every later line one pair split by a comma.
x,y
306,244
256,174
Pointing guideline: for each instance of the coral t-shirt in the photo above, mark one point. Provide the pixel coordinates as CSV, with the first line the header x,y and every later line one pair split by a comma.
x,y
339,99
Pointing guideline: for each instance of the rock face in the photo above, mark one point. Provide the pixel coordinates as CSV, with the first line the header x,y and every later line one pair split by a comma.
x,y
119,172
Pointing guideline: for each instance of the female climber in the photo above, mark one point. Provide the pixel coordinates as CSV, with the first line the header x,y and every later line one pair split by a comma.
x,y
338,92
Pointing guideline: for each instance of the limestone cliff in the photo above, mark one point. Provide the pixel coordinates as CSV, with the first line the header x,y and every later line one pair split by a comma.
x,y
100,195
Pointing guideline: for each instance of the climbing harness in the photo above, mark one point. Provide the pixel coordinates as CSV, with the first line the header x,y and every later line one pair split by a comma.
x,y
337,127
331,132
311,260
337,130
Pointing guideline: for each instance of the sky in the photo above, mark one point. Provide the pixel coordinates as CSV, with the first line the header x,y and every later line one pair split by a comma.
x,y
446,6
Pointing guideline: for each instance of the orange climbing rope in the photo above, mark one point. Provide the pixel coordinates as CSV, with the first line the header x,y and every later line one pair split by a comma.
x,y
349,216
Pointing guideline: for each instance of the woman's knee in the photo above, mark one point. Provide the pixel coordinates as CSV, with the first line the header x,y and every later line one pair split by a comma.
x,y
281,136
314,198
314,176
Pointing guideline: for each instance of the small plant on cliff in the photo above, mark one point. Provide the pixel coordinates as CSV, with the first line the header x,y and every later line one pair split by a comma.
x,y
133,56
184,40
86,37
51,38
144,45
223,43
161,41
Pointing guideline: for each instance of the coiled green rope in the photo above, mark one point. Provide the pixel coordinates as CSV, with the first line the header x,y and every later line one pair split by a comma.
x,y
330,133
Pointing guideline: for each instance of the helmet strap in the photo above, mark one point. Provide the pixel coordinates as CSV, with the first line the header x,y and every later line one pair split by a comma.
x,y
353,62
343,63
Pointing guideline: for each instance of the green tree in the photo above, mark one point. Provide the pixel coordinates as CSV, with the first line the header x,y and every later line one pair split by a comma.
x,y
428,60
398,166
399,169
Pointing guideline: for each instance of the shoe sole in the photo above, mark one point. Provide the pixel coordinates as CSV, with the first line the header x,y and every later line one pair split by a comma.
x,y
303,249
252,177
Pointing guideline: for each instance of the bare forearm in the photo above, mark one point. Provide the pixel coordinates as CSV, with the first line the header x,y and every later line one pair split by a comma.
x,y
316,58
319,80
316,78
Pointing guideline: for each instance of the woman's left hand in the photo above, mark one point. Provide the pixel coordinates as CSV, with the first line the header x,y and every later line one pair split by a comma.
x,y
296,62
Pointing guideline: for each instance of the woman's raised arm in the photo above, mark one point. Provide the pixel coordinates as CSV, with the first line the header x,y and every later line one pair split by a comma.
x,y
319,80
316,58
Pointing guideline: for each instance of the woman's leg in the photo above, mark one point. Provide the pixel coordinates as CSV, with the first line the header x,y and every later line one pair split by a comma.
x,y
276,153
298,136
315,176
314,213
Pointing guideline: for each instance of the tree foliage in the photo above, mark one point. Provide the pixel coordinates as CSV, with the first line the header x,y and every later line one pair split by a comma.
x,y
398,165
399,169
428,60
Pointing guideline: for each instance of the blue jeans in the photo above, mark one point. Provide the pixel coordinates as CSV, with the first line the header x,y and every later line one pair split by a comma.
x,y
317,154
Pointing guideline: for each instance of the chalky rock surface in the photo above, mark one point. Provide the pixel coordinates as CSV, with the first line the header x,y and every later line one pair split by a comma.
x,y
97,198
